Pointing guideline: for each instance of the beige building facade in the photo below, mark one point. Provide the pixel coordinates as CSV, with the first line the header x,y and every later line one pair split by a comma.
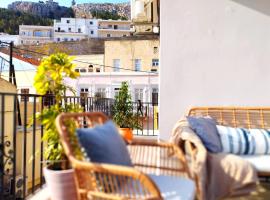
x,y
114,28
29,35
145,16
89,63
134,54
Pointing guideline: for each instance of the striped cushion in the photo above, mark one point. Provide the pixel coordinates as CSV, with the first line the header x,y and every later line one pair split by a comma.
x,y
244,141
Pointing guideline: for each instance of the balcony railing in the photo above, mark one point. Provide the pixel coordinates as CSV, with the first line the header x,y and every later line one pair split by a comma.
x,y
21,146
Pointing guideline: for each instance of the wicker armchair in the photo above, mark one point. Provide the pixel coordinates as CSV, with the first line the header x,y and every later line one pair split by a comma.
x,y
105,181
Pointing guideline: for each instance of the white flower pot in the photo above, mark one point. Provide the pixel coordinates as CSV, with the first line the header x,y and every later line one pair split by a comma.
x,y
61,184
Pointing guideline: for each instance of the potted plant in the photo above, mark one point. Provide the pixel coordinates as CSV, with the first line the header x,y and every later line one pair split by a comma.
x,y
50,79
123,114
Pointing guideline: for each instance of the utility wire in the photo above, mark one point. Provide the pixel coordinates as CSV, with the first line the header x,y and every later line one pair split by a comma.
x,y
80,61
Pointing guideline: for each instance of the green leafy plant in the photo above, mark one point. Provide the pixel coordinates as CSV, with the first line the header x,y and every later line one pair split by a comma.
x,y
124,116
50,79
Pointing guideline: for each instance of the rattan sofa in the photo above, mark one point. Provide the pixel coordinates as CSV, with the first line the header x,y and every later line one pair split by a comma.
x,y
244,117
106,181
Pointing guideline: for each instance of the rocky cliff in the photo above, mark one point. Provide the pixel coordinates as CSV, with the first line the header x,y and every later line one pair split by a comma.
x,y
89,9
48,9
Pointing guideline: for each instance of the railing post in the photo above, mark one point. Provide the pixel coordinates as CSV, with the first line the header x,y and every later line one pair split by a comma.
x,y
2,146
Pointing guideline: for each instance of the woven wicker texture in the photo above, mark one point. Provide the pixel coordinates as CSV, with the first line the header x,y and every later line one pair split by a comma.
x,y
104,181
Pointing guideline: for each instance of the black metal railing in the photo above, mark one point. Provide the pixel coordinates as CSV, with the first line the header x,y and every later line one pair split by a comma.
x,y
21,146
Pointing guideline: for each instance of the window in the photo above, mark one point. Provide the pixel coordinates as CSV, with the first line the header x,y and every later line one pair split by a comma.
x,y
109,26
68,21
155,50
90,68
58,29
154,96
115,26
101,92
155,62
83,70
38,34
138,94
116,92
21,42
109,35
77,70
137,64
91,32
24,92
84,92
153,70
91,22
116,65
124,35
58,39
71,39
69,29
97,69
79,30
65,39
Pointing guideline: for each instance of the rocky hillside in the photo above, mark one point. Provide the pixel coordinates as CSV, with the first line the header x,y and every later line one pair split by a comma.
x,y
10,21
48,9
97,10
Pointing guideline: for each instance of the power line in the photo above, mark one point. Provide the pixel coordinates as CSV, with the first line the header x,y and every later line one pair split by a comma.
x,y
90,63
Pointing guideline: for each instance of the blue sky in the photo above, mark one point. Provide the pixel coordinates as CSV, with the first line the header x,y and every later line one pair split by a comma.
x,y
4,3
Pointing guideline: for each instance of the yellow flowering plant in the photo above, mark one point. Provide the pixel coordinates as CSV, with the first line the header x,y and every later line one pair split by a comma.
x,y
50,79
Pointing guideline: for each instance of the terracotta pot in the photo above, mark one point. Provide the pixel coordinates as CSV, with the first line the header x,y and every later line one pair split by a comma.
x,y
61,184
126,133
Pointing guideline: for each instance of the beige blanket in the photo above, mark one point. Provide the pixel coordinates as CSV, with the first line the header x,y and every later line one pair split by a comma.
x,y
219,175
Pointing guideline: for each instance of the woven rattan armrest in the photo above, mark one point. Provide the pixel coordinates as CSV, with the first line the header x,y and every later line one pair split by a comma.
x,y
112,178
158,158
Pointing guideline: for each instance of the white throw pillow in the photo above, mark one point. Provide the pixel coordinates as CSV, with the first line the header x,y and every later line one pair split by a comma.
x,y
244,141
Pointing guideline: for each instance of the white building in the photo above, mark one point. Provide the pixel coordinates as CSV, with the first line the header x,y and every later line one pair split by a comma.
x,y
30,35
73,29
9,38
107,84
24,72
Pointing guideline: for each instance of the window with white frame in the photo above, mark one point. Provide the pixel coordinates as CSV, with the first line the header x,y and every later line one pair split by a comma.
x,y
155,50
84,92
116,92
101,92
83,70
155,62
116,65
138,94
138,64
154,98
90,68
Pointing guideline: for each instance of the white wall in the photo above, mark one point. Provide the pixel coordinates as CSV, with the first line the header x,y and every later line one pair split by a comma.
x,y
10,38
213,53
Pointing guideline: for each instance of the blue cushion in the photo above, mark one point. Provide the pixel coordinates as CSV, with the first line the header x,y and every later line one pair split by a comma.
x,y
244,141
206,129
103,144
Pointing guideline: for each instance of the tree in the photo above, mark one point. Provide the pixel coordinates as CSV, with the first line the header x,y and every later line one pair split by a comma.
x,y
123,109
